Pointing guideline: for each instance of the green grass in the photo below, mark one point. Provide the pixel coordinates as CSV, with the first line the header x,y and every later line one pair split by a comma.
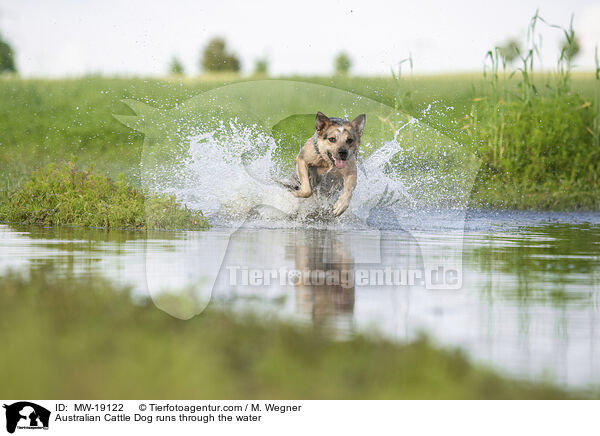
x,y
44,121
83,338
537,135
63,194
495,192
540,140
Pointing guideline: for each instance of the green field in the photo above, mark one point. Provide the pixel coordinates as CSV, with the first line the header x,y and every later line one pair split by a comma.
x,y
44,121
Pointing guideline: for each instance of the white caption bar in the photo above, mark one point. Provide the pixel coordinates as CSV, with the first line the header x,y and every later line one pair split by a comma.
x,y
299,417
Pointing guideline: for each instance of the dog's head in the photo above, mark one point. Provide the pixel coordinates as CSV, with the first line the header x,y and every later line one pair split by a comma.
x,y
337,138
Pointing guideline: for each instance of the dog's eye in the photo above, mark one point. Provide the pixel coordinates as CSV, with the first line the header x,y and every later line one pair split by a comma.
x,y
349,141
332,139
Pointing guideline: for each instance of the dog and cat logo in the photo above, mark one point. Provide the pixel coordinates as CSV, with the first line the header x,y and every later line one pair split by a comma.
x,y
26,415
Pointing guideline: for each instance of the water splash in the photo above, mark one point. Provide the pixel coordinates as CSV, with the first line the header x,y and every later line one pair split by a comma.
x,y
232,171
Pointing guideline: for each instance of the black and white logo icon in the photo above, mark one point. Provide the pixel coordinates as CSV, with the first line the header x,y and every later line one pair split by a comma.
x,y
26,415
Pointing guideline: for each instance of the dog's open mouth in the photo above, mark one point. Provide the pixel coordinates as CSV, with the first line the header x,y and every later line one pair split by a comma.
x,y
337,162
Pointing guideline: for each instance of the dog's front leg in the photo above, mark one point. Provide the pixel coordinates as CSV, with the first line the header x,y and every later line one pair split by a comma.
x,y
305,190
344,201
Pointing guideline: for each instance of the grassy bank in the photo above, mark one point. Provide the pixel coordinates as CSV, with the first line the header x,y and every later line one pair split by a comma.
x,y
98,344
63,194
43,121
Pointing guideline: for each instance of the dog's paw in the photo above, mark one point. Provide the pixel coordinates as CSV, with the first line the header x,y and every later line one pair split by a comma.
x,y
340,206
300,193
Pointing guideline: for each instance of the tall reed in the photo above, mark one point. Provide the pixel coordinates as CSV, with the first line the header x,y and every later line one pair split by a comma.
x,y
402,99
596,127
534,136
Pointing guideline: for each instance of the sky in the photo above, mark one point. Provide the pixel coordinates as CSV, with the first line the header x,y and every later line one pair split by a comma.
x,y
126,37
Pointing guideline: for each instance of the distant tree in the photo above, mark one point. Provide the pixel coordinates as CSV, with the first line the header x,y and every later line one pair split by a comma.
x,y
342,63
176,67
215,57
510,50
7,57
570,46
261,66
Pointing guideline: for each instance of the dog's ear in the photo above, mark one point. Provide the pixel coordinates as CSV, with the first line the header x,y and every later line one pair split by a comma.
x,y
358,123
321,122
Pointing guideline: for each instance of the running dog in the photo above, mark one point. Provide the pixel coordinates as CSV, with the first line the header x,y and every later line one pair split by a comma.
x,y
329,158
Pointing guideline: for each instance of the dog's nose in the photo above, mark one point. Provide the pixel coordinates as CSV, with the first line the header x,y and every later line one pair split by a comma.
x,y
343,153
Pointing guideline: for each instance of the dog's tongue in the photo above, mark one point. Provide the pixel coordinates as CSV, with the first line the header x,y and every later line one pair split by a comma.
x,y
339,163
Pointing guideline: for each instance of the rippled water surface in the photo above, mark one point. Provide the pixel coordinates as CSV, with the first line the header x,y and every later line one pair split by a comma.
x,y
522,294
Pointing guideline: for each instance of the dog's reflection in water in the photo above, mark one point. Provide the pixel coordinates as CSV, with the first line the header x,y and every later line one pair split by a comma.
x,y
325,283
326,262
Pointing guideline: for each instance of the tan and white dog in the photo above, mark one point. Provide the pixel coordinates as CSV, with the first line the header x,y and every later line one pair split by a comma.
x,y
330,151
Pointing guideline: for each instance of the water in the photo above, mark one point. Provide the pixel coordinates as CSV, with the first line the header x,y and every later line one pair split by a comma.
x,y
528,304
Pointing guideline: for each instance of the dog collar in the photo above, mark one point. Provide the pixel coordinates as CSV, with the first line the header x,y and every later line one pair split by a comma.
x,y
316,147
